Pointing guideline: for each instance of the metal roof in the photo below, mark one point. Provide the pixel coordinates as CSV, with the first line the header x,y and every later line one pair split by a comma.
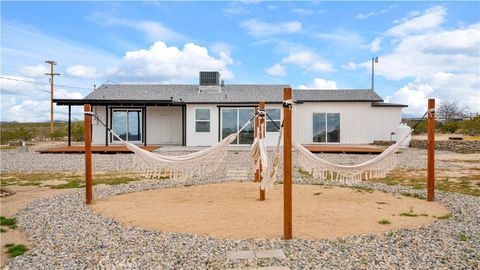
x,y
230,94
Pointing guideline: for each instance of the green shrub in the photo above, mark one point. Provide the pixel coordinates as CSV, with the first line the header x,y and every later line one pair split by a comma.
x,y
450,127
77,131
472,126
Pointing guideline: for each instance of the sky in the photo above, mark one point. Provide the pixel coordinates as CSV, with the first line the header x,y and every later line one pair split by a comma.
x,y
425,49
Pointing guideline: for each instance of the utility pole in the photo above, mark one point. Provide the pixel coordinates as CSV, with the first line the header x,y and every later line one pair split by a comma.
x,y
52,75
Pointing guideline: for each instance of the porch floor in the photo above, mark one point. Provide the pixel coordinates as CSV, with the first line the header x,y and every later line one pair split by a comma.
x,y
78,149
348,149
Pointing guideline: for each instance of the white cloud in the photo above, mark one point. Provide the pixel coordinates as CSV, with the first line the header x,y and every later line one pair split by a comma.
x,y
34,71
309,61
343,37
350,66
152,29
362,16
320,84
431,18
276,70
375,45
441,63
161,63
80,71
261,29
464,88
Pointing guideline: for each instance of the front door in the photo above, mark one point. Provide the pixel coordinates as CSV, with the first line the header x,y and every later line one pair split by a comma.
x,y
234,119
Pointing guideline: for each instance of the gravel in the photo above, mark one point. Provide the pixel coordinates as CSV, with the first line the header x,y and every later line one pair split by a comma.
x,y
68,235
16,161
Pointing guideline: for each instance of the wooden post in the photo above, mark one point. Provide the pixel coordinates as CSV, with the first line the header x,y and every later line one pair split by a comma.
x,y
261,107
255,134
287,166
431,151
88,154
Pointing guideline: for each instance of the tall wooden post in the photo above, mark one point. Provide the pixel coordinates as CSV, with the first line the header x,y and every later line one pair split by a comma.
x,y
287,166
261,135
431,151
255,134
88,154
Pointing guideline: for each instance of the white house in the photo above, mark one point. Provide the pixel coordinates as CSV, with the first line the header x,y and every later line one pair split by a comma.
x,y
201,115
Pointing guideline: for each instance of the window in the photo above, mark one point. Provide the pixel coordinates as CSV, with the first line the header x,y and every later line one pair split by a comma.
x,y
276,116
127,124
234,119
202,120
326,127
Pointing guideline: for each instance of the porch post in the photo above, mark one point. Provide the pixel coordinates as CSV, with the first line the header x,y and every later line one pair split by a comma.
x,y
144,123
69,125
184,125
106,125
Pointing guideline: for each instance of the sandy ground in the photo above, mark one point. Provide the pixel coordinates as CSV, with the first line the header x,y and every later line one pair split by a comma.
x,y
231,210
11,204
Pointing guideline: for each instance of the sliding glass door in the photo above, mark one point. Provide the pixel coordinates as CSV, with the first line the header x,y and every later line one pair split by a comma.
x,y
127,123
233,119
326,127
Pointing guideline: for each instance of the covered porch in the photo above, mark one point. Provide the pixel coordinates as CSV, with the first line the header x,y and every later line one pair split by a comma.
x,y
143,122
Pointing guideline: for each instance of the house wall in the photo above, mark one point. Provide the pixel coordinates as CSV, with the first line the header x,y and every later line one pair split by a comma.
x,y
360,123
164,125
212,137
202,138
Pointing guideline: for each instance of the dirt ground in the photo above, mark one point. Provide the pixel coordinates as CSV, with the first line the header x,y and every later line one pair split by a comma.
x,y
11,204
231,210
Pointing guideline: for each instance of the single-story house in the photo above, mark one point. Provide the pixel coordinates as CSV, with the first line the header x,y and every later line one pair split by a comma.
x,y
203,114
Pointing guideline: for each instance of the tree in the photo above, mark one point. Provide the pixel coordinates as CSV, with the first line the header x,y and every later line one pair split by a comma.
x,y
450,110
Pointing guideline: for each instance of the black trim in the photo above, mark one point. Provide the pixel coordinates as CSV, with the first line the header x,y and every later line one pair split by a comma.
x,y
219,119
381,104
184,125
106,123
144,109
69,125
144,126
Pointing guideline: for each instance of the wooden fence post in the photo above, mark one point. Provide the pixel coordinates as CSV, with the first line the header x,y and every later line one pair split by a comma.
x,y
255,135
88,154
431,151
261,107
287,166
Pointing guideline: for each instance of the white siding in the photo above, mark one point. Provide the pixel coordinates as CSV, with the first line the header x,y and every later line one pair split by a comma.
x,y
360,123
98,130
164,125
202,138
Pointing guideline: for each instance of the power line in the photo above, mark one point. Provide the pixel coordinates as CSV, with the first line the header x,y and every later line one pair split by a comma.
x,y
40,83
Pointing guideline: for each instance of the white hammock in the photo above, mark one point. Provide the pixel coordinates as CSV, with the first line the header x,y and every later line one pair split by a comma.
x,y
321,169
194,165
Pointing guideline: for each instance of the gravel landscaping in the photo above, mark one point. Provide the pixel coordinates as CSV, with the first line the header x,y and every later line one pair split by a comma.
x,y
16,161
68,235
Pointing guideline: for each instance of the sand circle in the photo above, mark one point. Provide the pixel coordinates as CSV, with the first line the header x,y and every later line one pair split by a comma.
x,y
232,210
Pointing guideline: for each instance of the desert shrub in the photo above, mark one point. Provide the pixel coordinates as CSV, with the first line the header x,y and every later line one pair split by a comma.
x,y
421,127
58,134
77,131
450,127
472,126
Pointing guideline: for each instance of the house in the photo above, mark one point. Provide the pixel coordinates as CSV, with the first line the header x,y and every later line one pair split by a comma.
x,y
203,114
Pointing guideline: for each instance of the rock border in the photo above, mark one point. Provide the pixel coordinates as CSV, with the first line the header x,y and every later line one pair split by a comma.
x,y
68,235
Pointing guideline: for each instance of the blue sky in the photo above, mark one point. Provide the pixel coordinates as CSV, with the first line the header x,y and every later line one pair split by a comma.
x,y
425,49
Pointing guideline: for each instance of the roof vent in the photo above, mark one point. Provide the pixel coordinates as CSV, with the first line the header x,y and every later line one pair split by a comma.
x,y
209,78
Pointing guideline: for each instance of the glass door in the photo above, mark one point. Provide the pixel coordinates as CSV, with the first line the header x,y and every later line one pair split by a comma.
x,y
127,124
233,119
